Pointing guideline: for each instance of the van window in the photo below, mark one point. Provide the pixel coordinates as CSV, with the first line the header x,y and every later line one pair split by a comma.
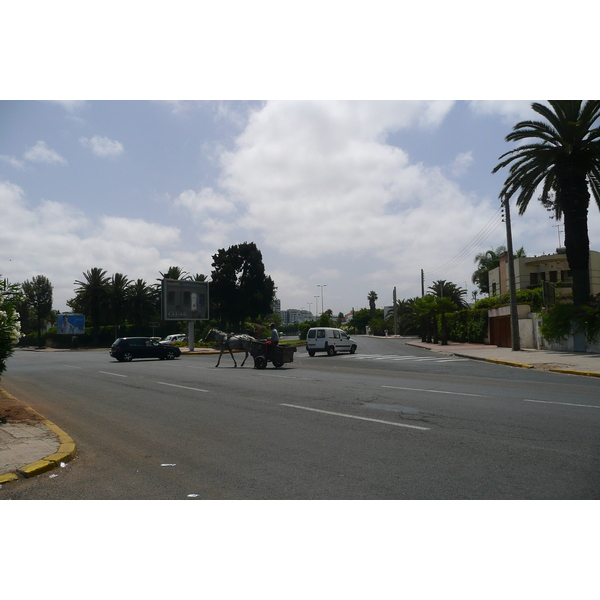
x,y
336,334
320,333
311,333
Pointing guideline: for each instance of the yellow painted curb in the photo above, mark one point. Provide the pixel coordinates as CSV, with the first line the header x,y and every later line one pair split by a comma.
x,y
36,468
8,477
571,372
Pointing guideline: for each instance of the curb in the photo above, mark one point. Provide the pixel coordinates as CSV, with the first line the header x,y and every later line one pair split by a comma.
x,y
66,452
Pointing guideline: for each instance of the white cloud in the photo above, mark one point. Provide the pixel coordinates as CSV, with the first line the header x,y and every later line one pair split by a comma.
x,y
59,241
102,146
325,170
511,111
13,162
204,202
41,153
461,164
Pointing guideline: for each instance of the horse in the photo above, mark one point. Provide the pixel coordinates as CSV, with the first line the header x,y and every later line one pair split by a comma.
x,y
230,341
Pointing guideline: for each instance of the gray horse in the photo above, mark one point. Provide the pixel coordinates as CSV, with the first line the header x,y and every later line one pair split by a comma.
x,y
230,341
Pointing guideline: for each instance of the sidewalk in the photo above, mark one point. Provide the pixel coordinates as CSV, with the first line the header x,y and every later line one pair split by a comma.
x,y
574,363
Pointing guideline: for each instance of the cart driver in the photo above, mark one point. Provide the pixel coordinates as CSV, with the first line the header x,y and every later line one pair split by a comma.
x,y
274,339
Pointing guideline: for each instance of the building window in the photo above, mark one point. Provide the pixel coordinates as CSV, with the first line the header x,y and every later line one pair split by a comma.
x,y
533,278
566,276
553,276
494,288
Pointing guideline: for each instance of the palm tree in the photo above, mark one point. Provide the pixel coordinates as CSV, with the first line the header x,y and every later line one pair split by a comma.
x,y
117,300
442,306
563,162
424,307
486,261
91,297
447,289
142,302
372,298
174,273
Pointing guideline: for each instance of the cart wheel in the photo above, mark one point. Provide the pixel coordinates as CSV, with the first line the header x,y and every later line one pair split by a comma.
x,y
277,364
260,362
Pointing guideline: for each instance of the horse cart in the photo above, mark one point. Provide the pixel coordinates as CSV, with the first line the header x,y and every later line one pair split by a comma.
x,y
275,353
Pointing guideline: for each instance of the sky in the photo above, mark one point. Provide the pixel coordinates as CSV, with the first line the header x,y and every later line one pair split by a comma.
x,y
333,143
356,196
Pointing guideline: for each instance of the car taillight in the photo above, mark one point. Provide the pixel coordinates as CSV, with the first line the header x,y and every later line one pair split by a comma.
x,y
116,347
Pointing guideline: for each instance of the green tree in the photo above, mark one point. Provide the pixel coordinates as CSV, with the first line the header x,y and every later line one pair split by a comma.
x,y
372,298
118,289
442,307
486,261
174,273
91,298
239,288
425,309
38,297
447,289
142,303
10,327
563,161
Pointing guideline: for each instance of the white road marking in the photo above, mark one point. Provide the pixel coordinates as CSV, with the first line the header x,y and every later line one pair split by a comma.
x,y
184,387
393,387
115,374
561,403
327,412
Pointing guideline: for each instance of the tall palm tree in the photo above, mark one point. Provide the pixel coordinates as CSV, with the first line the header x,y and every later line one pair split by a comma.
x,y
174,273
91,297
563,163
372,298
117,301
447,289
142,303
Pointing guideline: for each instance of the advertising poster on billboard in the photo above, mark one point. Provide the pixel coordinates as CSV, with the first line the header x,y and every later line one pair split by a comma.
x,y
71,324
184,300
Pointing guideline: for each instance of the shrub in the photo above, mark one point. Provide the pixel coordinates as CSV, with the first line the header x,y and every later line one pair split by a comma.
x,y
468,325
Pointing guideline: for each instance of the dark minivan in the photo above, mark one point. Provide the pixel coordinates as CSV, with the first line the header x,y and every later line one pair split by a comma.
x,y
126,349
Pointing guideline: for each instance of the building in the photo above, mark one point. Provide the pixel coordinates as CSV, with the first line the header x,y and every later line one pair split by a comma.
x,y
295,315
531,271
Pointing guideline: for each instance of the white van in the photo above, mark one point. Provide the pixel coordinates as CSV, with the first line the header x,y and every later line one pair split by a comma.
x,y
330,340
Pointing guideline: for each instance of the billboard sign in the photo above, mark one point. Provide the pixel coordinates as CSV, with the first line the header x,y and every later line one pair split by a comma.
x,y
71,324
184,300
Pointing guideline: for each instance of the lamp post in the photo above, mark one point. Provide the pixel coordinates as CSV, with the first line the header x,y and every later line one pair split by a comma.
x,y
322,297
316,306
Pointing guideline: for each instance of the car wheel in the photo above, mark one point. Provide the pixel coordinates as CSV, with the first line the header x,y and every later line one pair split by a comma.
x,y
127,356
353,350
170,355
330,350
260,362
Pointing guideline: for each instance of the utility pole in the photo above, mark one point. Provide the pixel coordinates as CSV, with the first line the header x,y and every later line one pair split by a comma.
x,y
395,313
514,317
422,283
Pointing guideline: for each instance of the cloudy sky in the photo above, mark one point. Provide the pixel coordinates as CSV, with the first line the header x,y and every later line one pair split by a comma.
x,y
355,195
352,195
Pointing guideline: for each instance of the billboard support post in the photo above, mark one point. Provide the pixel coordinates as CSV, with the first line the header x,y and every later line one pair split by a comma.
x,y
191,335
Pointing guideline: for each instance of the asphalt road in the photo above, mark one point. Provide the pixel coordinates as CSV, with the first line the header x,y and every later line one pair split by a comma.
x,y
390,422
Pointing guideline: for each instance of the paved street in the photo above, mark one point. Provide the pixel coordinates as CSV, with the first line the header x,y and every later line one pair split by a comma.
x,y
391,422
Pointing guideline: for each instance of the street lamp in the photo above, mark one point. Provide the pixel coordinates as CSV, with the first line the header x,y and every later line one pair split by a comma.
x,y
322,297
316,306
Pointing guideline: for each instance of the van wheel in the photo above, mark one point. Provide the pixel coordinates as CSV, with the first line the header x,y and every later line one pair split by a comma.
x,y
331,351
353,350
311,352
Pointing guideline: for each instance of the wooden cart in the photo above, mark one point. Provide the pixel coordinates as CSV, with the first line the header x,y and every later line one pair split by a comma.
x,y
277,354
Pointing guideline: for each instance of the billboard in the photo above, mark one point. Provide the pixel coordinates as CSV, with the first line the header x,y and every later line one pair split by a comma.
x,y
184,300
71,324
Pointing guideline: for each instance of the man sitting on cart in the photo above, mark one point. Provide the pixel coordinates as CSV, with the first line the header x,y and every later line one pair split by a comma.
x,y
273,341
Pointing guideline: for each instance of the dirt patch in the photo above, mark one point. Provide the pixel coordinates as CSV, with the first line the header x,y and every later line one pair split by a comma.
x,y
548,366
12,410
